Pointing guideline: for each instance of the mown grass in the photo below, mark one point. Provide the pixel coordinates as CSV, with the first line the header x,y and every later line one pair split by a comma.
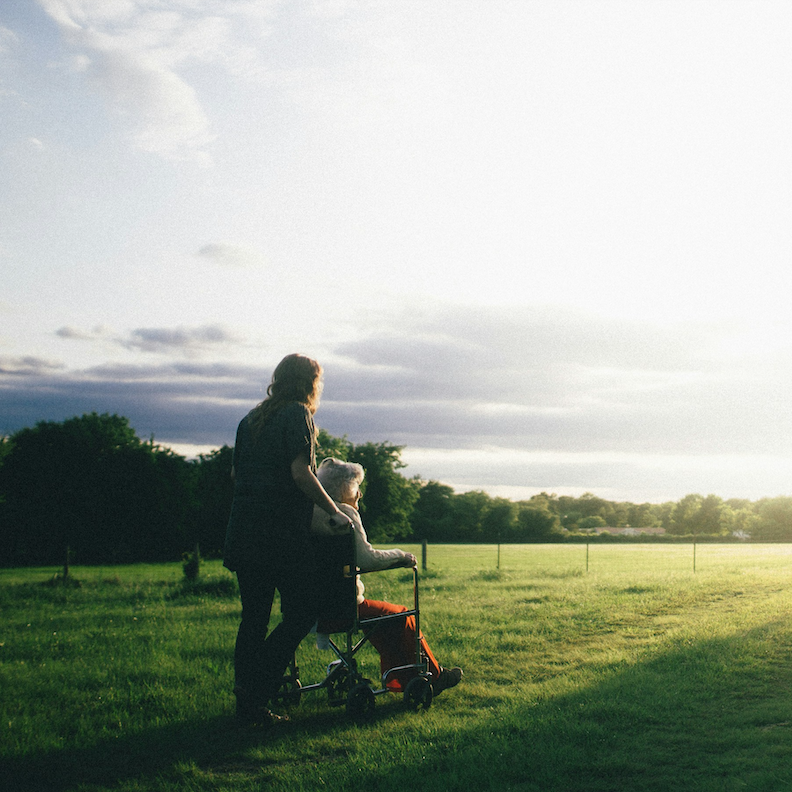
x,y
637,674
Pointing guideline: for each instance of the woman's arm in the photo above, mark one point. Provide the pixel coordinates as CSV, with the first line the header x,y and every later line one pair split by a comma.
x,y
306,480
369,559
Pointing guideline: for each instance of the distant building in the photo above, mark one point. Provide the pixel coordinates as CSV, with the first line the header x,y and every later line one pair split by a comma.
x,y
630,531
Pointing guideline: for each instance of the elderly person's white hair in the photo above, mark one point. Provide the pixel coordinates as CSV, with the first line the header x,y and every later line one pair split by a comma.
x,y
341,480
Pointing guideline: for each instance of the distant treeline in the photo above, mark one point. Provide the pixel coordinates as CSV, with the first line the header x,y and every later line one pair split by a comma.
x,y
91,485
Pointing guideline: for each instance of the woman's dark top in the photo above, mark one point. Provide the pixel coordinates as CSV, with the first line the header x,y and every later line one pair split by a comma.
x,y
270,514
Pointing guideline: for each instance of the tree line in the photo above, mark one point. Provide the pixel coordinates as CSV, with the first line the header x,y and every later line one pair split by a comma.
x,y
91,487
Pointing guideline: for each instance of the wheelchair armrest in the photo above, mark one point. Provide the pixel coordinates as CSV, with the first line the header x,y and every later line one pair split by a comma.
x,y
395,565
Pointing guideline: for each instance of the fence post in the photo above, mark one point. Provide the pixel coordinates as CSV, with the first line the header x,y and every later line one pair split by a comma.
x,y
587,556
423,555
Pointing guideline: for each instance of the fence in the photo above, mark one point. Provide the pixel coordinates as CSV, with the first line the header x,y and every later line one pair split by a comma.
x,y
596,557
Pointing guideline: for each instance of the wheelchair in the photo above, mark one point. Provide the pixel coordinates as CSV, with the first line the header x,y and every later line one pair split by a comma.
x,y
345,684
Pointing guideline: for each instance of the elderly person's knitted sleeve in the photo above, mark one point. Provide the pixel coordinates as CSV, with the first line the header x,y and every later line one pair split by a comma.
x,y
369,559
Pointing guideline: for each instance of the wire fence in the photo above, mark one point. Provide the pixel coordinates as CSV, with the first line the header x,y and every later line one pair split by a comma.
x,y
593,558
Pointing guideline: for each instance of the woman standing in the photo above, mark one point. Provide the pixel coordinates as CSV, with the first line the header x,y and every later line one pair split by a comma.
x,y
268,541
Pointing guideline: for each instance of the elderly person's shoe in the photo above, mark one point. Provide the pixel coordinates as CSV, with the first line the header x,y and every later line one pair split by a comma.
x,y
449,677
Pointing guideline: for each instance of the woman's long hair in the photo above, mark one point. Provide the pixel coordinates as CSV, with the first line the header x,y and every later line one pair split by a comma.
x,y
296,378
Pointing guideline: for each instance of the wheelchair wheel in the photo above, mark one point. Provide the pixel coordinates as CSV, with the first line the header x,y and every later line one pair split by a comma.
x,y
360,701
418,694
289,693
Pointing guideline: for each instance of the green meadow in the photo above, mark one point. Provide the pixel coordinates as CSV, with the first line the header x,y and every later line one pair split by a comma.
x,y
619,667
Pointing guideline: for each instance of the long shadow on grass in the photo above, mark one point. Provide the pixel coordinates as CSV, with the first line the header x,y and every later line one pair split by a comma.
x,y
708,715
111,761
156,757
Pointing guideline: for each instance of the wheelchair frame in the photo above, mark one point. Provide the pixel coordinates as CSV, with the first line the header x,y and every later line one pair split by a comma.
x,y
344,683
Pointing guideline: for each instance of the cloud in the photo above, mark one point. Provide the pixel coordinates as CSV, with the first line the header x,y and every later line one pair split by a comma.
x,y
179,403
229,255
9,42
8,39
28,365
143,57
188,340
132,55
519,357
172,122
557,382
78,334
478,398
617,476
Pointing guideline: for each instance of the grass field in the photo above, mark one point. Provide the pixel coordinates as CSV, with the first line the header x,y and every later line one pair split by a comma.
x,y
636,674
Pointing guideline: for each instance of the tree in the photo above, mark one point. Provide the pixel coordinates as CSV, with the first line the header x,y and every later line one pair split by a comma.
x,y
589,505
697,515
535,521
467,516
5,447
775,519
683,515
707,520
570,520
388,497
90,484
590,523
664,513
740,521
498,521
214,493
431,510
53,478
641,515
164,493
329,446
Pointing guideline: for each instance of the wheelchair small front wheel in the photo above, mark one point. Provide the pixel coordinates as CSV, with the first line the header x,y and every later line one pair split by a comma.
x,y
337,685
360,701
418,694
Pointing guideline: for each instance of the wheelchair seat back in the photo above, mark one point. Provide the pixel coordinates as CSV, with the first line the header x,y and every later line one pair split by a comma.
x,y
338,600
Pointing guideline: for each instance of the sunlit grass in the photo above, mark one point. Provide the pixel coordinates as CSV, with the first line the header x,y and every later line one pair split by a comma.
x,y
636,674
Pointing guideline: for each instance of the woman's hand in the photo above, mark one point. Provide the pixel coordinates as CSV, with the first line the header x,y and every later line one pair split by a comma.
x,y
340,522
410,560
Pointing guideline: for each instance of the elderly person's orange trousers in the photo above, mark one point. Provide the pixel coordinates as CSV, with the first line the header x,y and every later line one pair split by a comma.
x,y
395,642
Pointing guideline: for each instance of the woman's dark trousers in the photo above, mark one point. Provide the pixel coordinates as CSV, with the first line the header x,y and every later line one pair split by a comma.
x,y
261,659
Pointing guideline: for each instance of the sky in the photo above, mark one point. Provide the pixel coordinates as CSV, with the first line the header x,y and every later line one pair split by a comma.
x,y
542,245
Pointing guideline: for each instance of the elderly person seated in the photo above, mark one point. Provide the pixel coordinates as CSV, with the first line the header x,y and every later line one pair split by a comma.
x,y
395,639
